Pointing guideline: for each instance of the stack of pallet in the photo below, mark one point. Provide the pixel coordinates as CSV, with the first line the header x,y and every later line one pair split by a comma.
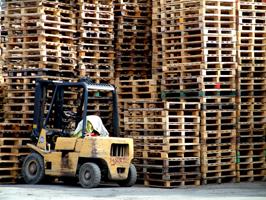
x,y
132,32
13,146
182,52
133,55
183,126
134,90
39,44
40,35
218,123
199,50
95,43
252,90
218,137
95,24
144,118
145,122
167,146
157,57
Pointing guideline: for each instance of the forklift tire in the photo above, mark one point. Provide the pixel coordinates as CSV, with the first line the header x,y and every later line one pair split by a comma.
x,y
131,178
89,175
33,169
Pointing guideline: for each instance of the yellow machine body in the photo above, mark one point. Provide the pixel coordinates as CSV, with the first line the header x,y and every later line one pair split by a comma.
x,y
115,153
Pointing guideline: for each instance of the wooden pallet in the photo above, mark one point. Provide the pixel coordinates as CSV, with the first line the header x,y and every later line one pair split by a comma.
x,y
218,144
220,179
137,89
169,164
9,175
212,157
170,184
211,163
98,76
186,177
217,134
162,140
14,145
133,9
250,178
143,152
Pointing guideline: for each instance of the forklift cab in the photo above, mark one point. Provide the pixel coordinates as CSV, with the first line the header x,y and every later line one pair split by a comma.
x,y
60,106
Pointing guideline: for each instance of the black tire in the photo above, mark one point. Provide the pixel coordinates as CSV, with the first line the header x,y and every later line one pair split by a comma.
x,y
131,178
89,175
33,169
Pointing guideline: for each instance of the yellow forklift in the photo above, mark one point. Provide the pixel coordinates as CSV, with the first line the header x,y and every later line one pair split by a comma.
x,y
87,160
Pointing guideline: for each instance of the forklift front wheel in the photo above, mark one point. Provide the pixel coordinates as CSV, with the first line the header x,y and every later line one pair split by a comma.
x,y
89,175
131,178
33,168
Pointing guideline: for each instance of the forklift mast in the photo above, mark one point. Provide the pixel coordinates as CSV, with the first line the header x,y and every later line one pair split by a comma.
x,y
56,104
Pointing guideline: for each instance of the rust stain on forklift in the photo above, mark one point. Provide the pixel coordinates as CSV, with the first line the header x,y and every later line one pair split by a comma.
x,y
94,149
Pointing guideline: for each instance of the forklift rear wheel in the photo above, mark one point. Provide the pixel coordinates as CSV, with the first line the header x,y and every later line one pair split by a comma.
x,y
131,178
89,175
33,169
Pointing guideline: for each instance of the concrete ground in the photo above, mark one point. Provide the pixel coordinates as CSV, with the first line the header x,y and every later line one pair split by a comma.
x,y
247,191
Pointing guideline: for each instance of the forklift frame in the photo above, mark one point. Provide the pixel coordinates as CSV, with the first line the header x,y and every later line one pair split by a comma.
x,y
58,101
